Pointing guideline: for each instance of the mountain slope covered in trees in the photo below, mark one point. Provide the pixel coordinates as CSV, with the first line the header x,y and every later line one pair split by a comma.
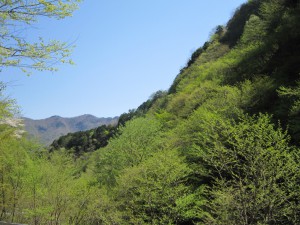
x,y
221,146
81,142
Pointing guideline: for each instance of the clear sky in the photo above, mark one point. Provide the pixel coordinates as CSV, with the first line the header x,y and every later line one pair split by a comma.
x,y
125,51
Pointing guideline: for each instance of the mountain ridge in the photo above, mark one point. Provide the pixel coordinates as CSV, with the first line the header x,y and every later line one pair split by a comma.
x,y
48,129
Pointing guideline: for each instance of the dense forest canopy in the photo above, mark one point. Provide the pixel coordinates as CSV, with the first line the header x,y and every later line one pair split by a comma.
x,y
221,146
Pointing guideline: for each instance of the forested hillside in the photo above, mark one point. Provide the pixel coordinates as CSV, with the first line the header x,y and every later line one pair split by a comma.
x,y
79,143
221,146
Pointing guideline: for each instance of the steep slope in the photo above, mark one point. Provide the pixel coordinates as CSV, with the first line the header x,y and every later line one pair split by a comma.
x,y
49,129
257,53
216,149
220,147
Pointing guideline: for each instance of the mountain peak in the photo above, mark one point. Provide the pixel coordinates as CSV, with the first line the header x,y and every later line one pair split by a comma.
x,y
48,129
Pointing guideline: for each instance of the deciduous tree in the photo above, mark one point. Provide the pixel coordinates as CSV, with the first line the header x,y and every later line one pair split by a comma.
x,y
19,15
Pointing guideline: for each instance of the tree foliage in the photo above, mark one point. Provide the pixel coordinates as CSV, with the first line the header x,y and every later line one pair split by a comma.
x,y
82,142
250,167
207,151
16,50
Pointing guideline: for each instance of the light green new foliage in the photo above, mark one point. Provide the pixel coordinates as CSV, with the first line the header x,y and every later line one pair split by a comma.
x,y
261,175
13,161
16,50
250,166
291,94
139,139
148,192
253,31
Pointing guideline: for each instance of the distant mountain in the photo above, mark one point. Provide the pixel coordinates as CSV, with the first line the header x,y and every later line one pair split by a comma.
x,y
49,129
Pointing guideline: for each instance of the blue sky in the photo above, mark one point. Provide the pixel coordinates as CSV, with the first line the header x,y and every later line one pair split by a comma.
x,y
125,51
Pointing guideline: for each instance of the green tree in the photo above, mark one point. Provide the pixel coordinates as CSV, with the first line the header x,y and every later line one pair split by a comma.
x,y
148,192
251,170
137,141
15,49
258,183
13,162
12,158
290,111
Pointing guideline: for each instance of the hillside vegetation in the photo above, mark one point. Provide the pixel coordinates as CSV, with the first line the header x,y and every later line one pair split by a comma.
x,y
221,146
81,142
